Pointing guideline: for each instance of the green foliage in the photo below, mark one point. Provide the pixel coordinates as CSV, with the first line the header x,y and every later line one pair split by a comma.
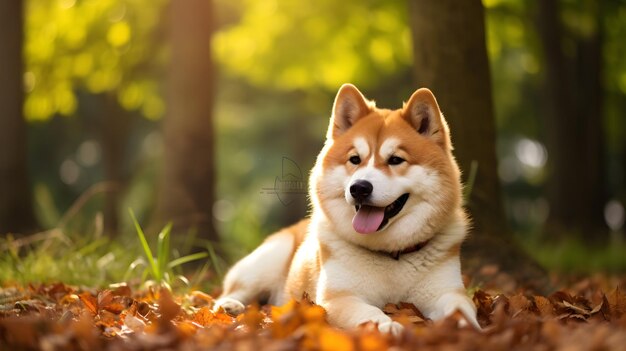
x,y
94,260
103,46
572,256
471,179
307,44
160,267
53,256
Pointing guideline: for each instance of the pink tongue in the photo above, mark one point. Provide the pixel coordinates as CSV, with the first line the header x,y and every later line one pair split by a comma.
x,y
368,219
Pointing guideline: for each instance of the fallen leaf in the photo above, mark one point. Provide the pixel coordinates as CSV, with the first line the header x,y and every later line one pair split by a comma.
x,y
168,308
332,339
90,302
544,307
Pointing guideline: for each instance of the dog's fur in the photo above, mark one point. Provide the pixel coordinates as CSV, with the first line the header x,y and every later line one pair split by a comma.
x,y
414,257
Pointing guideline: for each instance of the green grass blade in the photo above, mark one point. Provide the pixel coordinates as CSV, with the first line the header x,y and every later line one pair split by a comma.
x,y
91,247
469,186
188,258
163,249
146,247
139,262
199,275
215,261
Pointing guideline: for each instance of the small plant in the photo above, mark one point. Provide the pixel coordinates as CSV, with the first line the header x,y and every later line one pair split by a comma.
x,y
160,268
469,185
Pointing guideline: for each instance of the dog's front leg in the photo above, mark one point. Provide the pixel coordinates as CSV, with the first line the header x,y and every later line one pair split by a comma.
x,y
450,302
349,311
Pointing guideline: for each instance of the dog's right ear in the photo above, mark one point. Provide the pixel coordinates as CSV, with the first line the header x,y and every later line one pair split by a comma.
x,y
350,106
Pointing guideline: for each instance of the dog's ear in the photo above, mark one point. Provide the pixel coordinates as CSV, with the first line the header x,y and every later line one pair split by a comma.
x,y
422,112
350,106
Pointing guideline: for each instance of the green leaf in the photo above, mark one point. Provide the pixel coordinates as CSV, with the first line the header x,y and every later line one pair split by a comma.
x,y
163,251
188,258
214,260
146,247
469,186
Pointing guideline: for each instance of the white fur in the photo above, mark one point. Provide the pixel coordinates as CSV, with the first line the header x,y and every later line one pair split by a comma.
x,y
420,182
421,278
388,148
362,148
258,274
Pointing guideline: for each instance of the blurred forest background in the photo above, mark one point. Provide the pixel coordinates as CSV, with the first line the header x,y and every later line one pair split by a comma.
x,y
199,111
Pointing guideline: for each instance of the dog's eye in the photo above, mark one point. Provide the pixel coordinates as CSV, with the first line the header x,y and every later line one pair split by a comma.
x,y
395,160
355,160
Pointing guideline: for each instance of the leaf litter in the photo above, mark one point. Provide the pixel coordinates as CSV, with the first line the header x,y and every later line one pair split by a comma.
x,y
62,317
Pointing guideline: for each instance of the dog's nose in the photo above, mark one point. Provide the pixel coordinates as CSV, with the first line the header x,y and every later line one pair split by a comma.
x,y
361,189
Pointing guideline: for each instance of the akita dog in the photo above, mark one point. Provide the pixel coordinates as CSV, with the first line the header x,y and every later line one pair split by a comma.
x,y
387,222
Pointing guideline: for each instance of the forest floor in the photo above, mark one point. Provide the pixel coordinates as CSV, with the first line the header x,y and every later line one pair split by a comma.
x,y
585,314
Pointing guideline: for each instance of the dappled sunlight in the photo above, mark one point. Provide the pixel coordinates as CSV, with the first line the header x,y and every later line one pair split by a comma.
x,y
614,215
93,45
531,153
299,47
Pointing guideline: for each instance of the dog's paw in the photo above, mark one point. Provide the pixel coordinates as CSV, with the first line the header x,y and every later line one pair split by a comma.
x,y
450,303
230,306
394,328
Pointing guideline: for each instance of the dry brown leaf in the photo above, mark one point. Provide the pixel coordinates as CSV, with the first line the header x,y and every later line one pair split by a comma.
x,y
544,307
122,290
200,298
253,318
372,341
114,320
519,305
575,308
617,302
390,308
168,308
90,302
331,339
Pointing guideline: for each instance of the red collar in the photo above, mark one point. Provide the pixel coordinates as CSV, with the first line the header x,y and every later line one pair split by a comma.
x,y
396,254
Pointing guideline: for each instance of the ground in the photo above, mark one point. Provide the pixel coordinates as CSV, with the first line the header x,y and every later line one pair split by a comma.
x,y
588,314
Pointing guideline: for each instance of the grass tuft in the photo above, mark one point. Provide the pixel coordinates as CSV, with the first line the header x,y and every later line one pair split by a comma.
x,y
161,267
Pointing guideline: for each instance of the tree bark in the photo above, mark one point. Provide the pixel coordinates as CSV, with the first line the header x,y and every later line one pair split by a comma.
x,y
16,211
575,140
450,58
187,186
114,129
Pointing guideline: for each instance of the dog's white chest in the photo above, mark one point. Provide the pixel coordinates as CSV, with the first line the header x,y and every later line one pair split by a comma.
x,y
375,277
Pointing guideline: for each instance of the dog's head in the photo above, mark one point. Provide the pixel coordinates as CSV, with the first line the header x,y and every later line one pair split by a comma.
x,y
386,179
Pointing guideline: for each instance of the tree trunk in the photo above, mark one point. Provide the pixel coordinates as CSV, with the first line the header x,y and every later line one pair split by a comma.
x,y
575,141
187,187
16,211
450,58
114,124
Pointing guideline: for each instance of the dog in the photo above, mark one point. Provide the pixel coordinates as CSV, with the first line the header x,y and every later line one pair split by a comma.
x,y
386,224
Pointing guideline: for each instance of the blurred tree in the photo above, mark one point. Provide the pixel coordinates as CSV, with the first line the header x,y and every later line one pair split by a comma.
x,y
114,129
105,46
306,49
108,48
451,58
574,120
614,84
187,186
16,212
315,44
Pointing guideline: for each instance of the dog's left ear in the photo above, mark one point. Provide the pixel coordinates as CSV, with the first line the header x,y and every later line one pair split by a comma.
x,y
422,112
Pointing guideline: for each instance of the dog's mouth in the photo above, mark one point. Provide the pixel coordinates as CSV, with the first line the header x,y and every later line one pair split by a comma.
x,y
369,219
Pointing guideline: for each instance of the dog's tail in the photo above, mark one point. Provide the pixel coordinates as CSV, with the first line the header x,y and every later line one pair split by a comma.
x,y
261,275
